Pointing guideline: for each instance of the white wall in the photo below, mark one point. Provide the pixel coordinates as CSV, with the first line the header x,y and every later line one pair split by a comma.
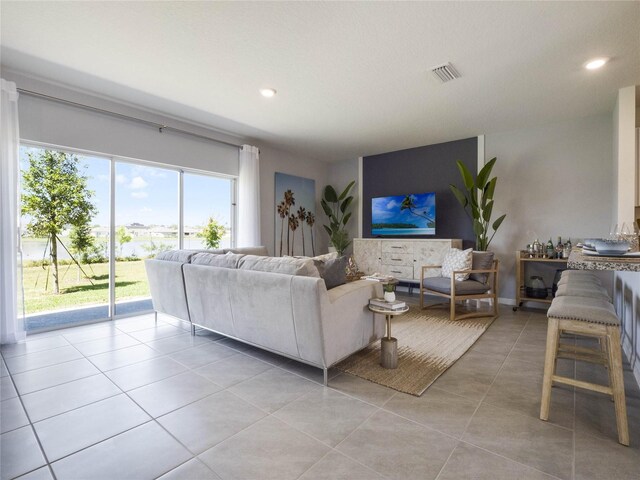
x,y
553,180
273,160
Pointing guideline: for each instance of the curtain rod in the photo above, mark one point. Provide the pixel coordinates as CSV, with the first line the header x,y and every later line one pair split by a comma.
x,y
161,128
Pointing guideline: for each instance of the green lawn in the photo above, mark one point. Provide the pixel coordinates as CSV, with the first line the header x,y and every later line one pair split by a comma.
x,y
131,282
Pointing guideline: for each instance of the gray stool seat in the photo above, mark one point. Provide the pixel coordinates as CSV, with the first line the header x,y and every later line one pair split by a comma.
x,y
581,276
582,290
578,273
592,310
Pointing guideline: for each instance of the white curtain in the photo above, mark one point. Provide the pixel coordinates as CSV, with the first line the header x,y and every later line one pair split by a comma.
x,y
11,322
249,197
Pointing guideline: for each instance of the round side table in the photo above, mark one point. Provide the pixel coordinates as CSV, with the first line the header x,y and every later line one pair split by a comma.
x,y
388,344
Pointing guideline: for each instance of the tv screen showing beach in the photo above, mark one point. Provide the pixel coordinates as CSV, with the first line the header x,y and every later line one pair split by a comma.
x,y
400,215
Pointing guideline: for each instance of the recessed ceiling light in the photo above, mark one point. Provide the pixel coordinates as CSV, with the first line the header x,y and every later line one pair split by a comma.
x,y
267,92
596,63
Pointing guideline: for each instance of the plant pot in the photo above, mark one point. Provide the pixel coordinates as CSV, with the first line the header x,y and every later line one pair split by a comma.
x,y
389,296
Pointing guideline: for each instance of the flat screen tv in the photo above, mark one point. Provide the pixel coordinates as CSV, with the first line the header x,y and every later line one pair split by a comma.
x,y
404,215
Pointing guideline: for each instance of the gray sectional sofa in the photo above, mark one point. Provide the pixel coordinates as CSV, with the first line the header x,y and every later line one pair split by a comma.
x,y
279,304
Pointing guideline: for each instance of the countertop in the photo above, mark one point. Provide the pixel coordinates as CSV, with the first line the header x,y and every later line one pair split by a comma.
x,y
578,261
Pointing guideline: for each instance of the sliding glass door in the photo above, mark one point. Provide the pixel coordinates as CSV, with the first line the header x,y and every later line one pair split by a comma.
x,y
147,205
88,223
65,199
208,219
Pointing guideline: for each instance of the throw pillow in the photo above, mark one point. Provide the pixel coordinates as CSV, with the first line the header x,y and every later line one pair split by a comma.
x,y
456,260
320,258
286,265
333,271
481,261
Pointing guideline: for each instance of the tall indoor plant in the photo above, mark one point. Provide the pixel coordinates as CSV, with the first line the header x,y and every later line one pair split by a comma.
x,y
477,201
336,208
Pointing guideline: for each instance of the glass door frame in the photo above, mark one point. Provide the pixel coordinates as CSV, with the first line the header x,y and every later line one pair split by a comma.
x,y
113,160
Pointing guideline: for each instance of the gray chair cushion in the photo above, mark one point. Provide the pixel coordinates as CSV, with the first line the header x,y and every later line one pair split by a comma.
x,y
594,310
443,285
481,261
227,260
333,271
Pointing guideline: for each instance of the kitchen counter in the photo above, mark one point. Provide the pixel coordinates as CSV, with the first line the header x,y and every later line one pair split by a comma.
x,y
579,261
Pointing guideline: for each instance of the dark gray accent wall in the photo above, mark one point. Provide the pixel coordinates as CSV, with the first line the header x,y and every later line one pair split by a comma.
x,y
418,170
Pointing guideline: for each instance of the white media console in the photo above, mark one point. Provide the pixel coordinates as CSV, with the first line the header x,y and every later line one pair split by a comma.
x,y
401,258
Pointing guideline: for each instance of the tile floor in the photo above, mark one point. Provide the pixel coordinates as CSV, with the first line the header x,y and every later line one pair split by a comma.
x,y
134,400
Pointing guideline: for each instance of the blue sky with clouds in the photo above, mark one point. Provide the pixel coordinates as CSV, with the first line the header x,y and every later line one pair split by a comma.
x,y
149,195
387,209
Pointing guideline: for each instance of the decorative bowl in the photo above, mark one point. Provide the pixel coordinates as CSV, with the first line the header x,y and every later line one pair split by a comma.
x,y
590,242
612,247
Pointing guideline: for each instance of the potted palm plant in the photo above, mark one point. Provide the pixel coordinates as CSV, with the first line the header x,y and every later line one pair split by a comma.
x,y
477,201
336,207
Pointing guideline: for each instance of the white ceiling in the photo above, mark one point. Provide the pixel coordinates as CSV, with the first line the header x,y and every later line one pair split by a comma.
x,y
352,78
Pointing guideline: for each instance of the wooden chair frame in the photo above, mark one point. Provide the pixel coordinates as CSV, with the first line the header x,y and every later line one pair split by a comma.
x,y
454,297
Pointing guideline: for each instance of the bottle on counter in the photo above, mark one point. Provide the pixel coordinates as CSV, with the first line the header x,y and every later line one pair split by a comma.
x,y
567,249
559,248
550,249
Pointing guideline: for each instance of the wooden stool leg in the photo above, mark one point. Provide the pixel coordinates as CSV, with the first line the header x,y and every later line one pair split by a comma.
x,y
549,366
617,383
602,342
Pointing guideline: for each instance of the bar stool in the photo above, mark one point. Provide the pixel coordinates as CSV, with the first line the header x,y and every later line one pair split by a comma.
x,y
592,317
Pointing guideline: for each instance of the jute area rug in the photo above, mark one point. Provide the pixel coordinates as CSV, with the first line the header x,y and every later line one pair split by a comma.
x,y
428,344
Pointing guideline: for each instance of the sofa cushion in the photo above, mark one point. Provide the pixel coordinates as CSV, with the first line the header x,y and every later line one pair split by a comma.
x,y
443,285
286,265
227,260
248,250
333,271
456,260
182,256
481,261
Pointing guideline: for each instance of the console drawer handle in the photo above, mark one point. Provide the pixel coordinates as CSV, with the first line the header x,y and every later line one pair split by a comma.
x,y
396,259
395,271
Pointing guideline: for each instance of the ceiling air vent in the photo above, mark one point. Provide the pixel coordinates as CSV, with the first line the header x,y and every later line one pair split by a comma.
x,y
445,72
